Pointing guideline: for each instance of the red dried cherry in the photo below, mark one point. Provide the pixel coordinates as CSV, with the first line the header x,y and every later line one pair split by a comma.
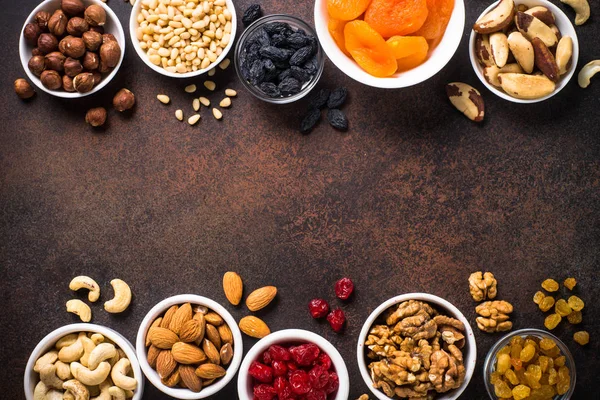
x,y
264,392
305,354
318,308
279,368
299,382
319,377
316,394
325,361
337,319
279,353
344,288
266,358
283,388
261,372
333,384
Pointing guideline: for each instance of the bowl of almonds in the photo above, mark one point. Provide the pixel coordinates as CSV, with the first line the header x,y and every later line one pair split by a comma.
x,y
189,346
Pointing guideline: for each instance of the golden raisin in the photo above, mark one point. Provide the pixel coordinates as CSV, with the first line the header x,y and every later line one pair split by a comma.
x,y
544,363
552,376
538,297
495,377
503,363
550,285
570,283
527,353
560,361
562,308
511,376
552,321
502,390
564,380
517,340
504,350
547,343
515,351
546,303
576,303
575,317
581,337
520,392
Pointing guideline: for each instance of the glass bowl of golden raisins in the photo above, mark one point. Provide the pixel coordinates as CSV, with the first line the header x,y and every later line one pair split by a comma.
x,y
529,364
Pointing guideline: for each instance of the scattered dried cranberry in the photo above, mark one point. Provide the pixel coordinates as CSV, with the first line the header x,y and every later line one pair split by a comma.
x,y
344,288
261,372
279,353
334,383
319,377
305,354
336,320
325,361
300,382
264,392
318,308
279,368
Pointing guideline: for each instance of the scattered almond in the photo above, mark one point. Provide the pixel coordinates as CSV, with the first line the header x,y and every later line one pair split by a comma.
x,y
261,298
254,327
233,287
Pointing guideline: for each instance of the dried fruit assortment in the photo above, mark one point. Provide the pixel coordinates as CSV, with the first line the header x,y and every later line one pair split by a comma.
x,y
298,371
189,346
530,368
392,36
416,351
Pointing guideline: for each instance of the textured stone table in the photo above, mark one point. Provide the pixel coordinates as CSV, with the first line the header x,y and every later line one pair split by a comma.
x,y
413,198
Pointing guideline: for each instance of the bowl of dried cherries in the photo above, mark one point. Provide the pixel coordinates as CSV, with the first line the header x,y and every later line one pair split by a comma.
x,y
292,363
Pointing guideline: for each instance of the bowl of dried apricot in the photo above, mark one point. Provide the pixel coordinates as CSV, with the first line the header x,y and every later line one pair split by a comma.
x,y
390,43
529,364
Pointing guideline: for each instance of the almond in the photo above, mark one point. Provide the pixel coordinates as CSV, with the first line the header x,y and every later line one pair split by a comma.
x,y
261,298
211,351
226,353
212,334
166,321
225,334
233,287
210,371
191,331
181,316
162,338
165,364
185,353
172,380
189,378
152,355
254,327
213,318
200,318
155,323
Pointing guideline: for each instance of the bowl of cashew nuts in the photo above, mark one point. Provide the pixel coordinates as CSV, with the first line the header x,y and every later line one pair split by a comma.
x,y
83,362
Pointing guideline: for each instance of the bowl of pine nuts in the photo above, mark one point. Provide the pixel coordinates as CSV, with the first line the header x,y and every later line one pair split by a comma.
x,y
182,39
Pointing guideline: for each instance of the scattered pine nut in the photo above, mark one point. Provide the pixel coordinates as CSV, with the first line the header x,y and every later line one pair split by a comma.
x,y
211,72
190,88
225,63
163,98
205,102
226,102
196,104
194,119
179,115
210,85
217,114
230,92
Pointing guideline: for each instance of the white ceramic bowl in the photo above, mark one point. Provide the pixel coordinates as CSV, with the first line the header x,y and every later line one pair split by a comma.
x,y
566,29
133,25
112,26
291,336
469,351
438,58
47,343
152,375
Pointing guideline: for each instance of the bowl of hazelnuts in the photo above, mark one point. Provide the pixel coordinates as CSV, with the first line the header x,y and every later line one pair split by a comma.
x,y
71,48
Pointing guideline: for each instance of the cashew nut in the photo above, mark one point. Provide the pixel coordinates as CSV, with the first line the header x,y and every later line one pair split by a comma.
x,y
54,395
77,389
78,307
85,282
104,393
48,358
88,347
119,375
66,341
88,377
103,351
71,353
122,297
48,376
97,338
68,396
587,72
94,390
582,10
40,391
117,393
63,371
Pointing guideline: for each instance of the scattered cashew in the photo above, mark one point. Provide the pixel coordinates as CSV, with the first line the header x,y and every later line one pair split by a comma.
x,y
582,10
48,376
71,353
88,377
102,352
78,389
119,375
88,347
63,371
117,393
97,338
40,391
587,72
54,395
66,341
104,393
78,307
85,282
48,358
122,297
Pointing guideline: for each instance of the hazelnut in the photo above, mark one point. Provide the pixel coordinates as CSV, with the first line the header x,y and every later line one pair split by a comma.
x,y
37,65
41,19
123,100
92,40
97,77
90,61
31,33
108,37
68,83
95,15
77,26
57,24
96,116
103,68
110,53
72,46
73,67
98,29
51,79
55,61
23,89
36,52
47,43
84,82
72,7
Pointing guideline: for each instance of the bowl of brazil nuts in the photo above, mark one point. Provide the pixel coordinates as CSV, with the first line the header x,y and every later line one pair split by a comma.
x,y
182,39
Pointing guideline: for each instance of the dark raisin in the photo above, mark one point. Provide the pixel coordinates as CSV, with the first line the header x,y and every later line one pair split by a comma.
x,y
274,53
270,89
337,119
251,14
284,74
279,40
277,27
337,98
297,40
257,72
314,43
261,37
310,120
271,71
320,99
300,74
289,86
301,55
282,65
312,66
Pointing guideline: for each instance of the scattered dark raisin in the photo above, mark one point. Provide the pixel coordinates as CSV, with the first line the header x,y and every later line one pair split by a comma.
x,y
274,53
312,66
310,120
337,98
257,72
337,119
320,99
270,89
297,40
289,86
277,27
279,40
251,14
301,55
300,74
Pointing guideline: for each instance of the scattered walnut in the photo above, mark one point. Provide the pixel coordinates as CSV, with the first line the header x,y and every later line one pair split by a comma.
x,y
482,286
494,316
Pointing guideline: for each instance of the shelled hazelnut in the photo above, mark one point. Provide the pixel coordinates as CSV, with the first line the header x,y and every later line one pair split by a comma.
x,y
123,100
77,26
72,46
92,40
47,43
90,61
23,89
37,65
95,15
31,33
36,52
41,19
51,79
83,82
57,24
110,53
97,77
67,83
55,61
72,7
96,116
72,67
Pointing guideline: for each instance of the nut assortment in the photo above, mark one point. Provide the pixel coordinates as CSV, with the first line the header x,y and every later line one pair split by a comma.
x,y
84,365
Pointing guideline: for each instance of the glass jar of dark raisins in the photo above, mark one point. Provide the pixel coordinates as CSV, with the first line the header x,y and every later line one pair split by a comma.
x,y
279,59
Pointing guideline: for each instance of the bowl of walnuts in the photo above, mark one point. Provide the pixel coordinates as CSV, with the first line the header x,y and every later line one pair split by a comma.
x,y
71,48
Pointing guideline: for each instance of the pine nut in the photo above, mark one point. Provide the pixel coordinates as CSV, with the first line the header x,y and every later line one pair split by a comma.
x,y
226,102
163,98
225,63
217,114
205,102
230,92
210,85
179,115
194,119
211,72
190,88
196,104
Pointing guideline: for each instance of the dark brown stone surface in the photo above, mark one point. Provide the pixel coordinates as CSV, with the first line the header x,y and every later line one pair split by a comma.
x,y
413,198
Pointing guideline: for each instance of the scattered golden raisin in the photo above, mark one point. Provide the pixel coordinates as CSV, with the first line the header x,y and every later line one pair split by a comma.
x,y
570,283
575,317
576,303
562,308
550,285
538,297
547,303
552,321
581,337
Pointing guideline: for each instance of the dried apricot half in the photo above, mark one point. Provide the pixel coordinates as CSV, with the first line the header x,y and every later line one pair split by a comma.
x,y
396,17
346,10
409,51
438,17
336,29
368,49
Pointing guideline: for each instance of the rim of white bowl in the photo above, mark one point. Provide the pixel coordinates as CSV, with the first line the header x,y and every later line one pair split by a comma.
x,y
437,60
51,338
291,336
562,21
25,48
469,362
152,375
133,25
